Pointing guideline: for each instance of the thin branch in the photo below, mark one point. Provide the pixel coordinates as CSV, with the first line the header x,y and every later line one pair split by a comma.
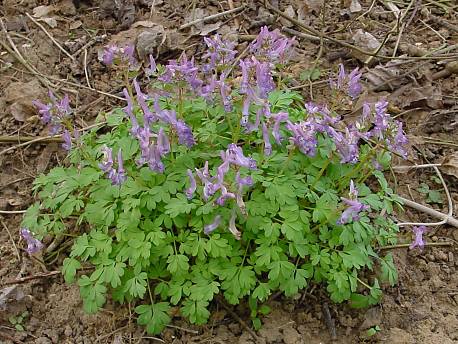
x,y
30,278
211,17
446,218
12,239
50,37
390,247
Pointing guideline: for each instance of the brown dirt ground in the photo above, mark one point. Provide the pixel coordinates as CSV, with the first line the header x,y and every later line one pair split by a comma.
x,y
422,308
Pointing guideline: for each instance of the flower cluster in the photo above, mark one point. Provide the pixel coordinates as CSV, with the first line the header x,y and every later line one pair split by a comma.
x,y
33,245
56,114
348,83
235,157
354,206
124,55
117,176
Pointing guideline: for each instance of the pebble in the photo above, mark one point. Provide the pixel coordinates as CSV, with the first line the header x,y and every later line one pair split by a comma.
x,y
434,238
451,258
430,257
68,332
441,255
43,340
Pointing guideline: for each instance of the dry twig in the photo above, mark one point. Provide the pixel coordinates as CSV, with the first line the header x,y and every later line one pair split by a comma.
x,y
211,17
30,278
12,239
446,218
50,36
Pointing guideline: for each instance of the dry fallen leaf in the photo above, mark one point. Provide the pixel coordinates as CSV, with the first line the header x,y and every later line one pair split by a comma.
x,y
290,12
52,22
355,6
18,96
381,74
313,5
43,11
208,28
366,41
75,25
450,164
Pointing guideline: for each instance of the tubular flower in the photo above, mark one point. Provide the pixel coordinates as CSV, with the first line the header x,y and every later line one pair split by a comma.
x,y
349,83
212,226
235,156
192,185
418,241
354,207
33,245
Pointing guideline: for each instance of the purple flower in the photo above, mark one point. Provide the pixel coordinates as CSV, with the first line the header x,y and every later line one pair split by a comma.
x,y
141,99
109,54
44,110
235,156
400,141
241,182
129,109
120,176
352,212
418,241
184,133
212,226
349,83
223,168
233,228
303,136
107,163
33,245
245,65
163,143
278,118
128,55
271,45
224,196
67,137
354,206
192,185
220,52
264,79
152,67
354,86
265,137
225,94
117,176
347,145
382,119
182,70
353,190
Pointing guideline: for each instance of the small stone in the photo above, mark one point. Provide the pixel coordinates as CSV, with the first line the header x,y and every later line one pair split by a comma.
x,y
43,340
434,238
451,258
430,257
440,256
68,331
235,328
291,336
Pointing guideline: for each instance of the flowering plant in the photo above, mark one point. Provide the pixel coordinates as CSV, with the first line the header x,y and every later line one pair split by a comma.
x,y
221,180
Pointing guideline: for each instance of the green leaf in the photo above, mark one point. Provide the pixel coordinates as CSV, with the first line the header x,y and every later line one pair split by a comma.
x,y
179,205
262,292
136,286
203,290
389,272
69,268
196,311
155,316
178,264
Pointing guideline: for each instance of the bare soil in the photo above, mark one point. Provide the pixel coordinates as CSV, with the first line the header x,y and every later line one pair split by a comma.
x,y
422,308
